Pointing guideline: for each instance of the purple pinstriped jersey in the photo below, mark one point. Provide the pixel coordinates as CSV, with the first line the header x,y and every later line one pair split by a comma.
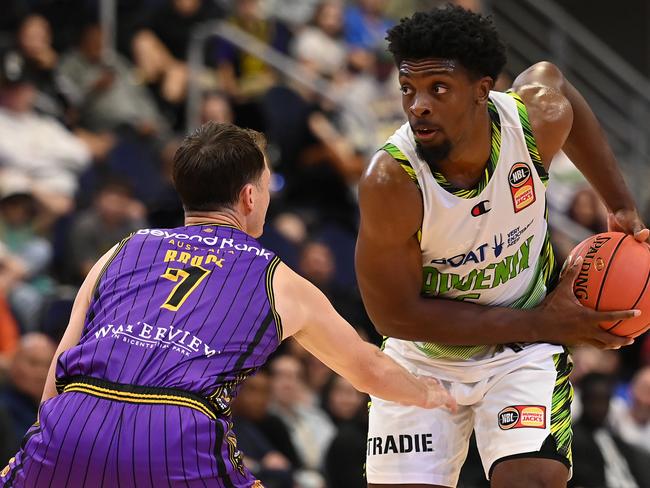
x,y
188,308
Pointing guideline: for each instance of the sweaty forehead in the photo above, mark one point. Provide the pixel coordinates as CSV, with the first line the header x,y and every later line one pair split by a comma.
x,y
427,66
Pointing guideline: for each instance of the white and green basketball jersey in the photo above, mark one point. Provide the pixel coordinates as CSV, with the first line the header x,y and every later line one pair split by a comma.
x,y
488,245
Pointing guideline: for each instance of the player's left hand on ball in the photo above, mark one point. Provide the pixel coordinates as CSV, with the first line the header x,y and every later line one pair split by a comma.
x,y
437,395
628,221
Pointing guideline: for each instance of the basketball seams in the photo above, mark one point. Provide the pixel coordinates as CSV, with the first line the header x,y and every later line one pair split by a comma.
x,y
644,289
609,265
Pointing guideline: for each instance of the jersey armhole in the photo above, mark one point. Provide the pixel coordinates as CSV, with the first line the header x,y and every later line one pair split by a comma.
x,y
398,156
529,138
119,247
270,271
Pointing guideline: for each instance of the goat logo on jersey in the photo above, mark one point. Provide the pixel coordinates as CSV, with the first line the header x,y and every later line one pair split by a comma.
x,y
522,187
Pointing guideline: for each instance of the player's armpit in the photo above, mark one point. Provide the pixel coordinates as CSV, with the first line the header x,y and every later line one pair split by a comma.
x,y
77,319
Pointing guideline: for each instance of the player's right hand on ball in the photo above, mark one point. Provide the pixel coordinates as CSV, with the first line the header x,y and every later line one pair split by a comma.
x,y
437,395
562,319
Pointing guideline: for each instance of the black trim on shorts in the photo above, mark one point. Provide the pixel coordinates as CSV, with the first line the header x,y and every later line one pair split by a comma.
x,y
547,451
138,394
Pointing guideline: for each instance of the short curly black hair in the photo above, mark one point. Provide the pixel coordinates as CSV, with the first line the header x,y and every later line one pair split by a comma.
x,y
450,32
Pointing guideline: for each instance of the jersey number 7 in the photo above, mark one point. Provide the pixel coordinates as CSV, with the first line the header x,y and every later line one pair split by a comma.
x,y
188,279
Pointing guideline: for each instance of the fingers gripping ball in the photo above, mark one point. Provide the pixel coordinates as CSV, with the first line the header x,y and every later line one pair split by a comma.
x,y
615,275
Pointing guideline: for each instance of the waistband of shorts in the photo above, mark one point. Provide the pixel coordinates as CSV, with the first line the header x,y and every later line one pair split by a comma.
x,y
138,394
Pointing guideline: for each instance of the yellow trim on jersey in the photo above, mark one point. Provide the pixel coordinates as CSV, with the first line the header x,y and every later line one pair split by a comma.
x,y
270,271
131,397
109,261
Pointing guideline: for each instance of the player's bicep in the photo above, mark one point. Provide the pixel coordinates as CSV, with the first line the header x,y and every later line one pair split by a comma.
x,y
390,280
388,259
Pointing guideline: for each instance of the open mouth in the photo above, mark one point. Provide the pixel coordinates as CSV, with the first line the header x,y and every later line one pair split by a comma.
x,y
425,133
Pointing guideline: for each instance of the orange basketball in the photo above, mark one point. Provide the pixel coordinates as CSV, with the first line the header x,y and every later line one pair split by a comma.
x,y
615,275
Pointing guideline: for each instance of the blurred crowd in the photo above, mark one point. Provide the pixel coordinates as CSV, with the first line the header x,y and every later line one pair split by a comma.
x,y
87,137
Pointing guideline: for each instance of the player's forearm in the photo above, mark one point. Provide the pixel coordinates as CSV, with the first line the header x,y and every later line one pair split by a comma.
x,y
460,323
589,150
380,376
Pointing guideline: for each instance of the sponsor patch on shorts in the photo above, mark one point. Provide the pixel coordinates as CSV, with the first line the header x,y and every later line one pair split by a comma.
x,y
522,416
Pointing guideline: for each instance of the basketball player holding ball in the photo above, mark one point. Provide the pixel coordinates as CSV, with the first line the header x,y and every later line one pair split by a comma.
x,y
454,261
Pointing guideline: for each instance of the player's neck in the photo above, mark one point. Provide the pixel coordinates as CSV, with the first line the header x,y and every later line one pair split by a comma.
x,y
225,217
473,148
466,161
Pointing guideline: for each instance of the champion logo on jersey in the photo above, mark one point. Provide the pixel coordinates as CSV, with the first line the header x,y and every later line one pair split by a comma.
x,y
481,208
522,187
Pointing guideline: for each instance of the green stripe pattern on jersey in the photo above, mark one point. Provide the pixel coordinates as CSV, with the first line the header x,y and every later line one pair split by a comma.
x,y
561,406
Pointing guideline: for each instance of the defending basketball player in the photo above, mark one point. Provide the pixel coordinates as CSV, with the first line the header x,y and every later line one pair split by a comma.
x,y
170,322
454,261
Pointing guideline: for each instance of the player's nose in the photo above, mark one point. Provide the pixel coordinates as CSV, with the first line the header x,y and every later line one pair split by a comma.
x,y
420,106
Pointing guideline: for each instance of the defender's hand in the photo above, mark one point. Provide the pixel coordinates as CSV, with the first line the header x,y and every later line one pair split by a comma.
x,y
437,395
563,320
628,221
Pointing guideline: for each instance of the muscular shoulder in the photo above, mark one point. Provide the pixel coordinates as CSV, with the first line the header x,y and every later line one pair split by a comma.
x,y
549,111
389,200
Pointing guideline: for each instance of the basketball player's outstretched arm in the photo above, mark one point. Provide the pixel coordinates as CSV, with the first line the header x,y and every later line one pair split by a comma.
x,y
72,333
309,317
389,272
562,119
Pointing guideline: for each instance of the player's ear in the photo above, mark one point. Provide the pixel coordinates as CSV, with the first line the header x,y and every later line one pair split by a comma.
x,y
246,198
483,87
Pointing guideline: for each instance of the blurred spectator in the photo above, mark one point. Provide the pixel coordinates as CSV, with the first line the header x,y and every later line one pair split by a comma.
x,y
366,25
113,216
160,51
30,255
37,145
9,337
310,429
34,43
250,411
21,395
587,210
586,360
166,209
345,456
294,13
105,91
12,12
600,457
243,76
320,44
343,403
632,422
216,107
317,264
173,21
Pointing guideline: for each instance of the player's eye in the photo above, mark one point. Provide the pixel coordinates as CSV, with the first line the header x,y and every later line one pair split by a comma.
x,y
405,89
439,89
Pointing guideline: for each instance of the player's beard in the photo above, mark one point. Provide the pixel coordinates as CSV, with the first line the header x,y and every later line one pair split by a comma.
x,y
433,155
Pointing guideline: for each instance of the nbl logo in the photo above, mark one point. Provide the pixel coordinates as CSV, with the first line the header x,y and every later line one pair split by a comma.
x,y
522,416
522,187
519,174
